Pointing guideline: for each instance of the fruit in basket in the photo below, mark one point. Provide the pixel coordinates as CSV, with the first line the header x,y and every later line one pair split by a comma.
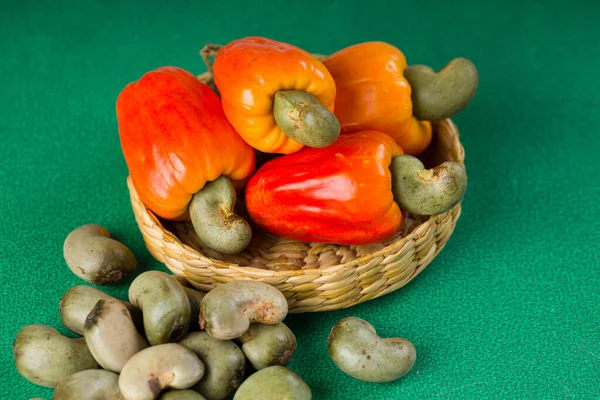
x,y
185,159
227,310
347,193
157,368
422,191
111,335
277,96
266,345
225,364
341,194
165,306
377,90
372,94
95,257
357,350
441,95
275,382
91,384
44,356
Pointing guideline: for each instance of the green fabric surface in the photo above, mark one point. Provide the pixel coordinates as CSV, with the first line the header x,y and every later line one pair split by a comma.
x,y
511,306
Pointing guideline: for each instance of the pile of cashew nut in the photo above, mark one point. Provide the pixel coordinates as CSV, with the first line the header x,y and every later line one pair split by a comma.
x,y
170,341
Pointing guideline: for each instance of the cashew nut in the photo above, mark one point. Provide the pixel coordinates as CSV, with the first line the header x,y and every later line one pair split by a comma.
x,y
266,345
111,335
182,395
302,118
212,211
423,191
227,311
43,356
96,258
441,95
164,304
275,382
357,350
156,368
224,362
195,299
92,384
78,301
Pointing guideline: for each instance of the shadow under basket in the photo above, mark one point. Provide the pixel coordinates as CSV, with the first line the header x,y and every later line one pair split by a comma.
x,y
312,276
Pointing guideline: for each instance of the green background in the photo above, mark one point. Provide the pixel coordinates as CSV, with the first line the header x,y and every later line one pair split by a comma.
x,y
509,309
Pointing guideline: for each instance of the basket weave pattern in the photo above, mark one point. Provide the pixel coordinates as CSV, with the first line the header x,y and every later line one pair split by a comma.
x,y
313,277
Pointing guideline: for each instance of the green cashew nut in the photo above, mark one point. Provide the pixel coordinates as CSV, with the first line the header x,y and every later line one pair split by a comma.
x,y
423,191
195,299
224,362
442,95
182,395
266,345
157,368
275,382
302,118
165,306
92,384
78,301
357,350
94,257
111,335
227,310
214,219
43,356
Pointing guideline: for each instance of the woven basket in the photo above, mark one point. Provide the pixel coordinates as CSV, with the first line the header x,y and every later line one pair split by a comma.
x,y
312,276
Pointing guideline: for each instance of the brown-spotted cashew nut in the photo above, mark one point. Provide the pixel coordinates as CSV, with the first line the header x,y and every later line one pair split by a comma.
x,y
357,350
195,299
44,356
78,301
441,95
94,257
92,384
157,368
275,382
227,310
182,395
266,345
423,191
111,335
164,304
224,362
